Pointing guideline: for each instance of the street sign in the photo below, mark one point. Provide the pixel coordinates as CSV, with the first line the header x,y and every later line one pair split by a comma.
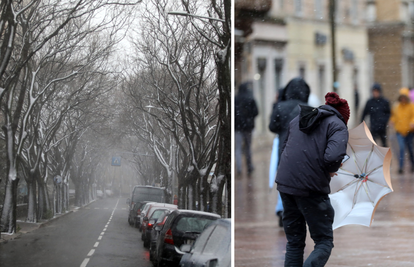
x,y
116,161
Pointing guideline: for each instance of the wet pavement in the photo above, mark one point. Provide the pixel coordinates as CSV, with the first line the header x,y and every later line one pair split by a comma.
x,y
259,241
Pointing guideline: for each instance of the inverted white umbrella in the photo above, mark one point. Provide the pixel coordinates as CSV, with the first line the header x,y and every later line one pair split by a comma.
x,y
362,181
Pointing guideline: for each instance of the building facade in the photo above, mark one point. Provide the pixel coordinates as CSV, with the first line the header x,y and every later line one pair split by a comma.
x,y
293,38
391,42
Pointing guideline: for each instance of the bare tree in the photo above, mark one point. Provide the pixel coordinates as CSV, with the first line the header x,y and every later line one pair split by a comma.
x,y
176,93
27,30
219,34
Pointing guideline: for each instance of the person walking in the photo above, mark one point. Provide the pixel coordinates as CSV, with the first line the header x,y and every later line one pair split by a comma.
x,y
315,146
402,119
245,113
378,108
284,110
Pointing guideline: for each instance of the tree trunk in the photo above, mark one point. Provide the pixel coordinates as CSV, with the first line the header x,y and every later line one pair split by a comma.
x,y
78,194
8,215
65,196
31,205
42,198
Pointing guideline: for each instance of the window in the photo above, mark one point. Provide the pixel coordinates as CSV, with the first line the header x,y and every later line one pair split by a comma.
x,y
354,11
404,12
318,9
321,80
278,73
371,11
192,224
298,7
338,10
214,240
202,240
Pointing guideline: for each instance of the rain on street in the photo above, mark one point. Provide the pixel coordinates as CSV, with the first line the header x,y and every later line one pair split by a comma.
x,y
95,235
259,241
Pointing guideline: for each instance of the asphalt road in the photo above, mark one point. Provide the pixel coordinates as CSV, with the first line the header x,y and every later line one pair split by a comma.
x,y
95,235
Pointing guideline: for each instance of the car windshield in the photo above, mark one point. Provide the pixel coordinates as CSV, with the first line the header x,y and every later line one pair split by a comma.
x,y
192,224
157,214
148,194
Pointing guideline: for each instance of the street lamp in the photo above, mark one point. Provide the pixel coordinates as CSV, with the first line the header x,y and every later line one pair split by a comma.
x,y
182,13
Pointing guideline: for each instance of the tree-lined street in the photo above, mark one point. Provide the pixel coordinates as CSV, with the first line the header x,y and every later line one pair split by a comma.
x,y
95,235
82,82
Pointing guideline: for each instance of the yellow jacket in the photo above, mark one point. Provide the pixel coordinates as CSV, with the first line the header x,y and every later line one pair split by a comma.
x,y
402,115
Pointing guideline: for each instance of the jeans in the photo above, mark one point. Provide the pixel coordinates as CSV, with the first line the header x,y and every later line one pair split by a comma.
x,y
243,144
405,141
316,211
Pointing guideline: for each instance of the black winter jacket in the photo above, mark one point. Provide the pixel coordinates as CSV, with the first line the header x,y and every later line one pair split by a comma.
x,y
245,108
296,92
315,146
379,111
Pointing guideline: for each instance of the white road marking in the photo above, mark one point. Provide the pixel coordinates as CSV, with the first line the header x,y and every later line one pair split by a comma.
x,y
91,252
85,262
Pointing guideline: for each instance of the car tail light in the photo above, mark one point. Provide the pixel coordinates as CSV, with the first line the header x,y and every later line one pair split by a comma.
x,y
169,237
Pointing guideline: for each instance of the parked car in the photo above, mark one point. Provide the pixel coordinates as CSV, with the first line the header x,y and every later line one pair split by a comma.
x,y
135,214
99,193
144,210
152,220
181,227
149,209
212,248
154,233
141,193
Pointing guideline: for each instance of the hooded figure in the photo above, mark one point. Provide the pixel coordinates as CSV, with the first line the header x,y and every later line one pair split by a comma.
x,y
402,118
378,108
245,113
246,108
296,92
315,146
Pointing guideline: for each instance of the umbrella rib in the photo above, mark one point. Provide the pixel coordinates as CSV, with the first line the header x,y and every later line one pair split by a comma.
x,y
355,157
368,158
356,194
348,173
348,185
371,171
372,181
367,192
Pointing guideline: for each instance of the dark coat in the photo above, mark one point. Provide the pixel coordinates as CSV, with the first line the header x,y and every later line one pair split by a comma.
x,y
296,92
315,146
245,108
379,111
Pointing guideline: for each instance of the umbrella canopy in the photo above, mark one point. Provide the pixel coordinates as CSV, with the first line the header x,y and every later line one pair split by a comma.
x,y
362,181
